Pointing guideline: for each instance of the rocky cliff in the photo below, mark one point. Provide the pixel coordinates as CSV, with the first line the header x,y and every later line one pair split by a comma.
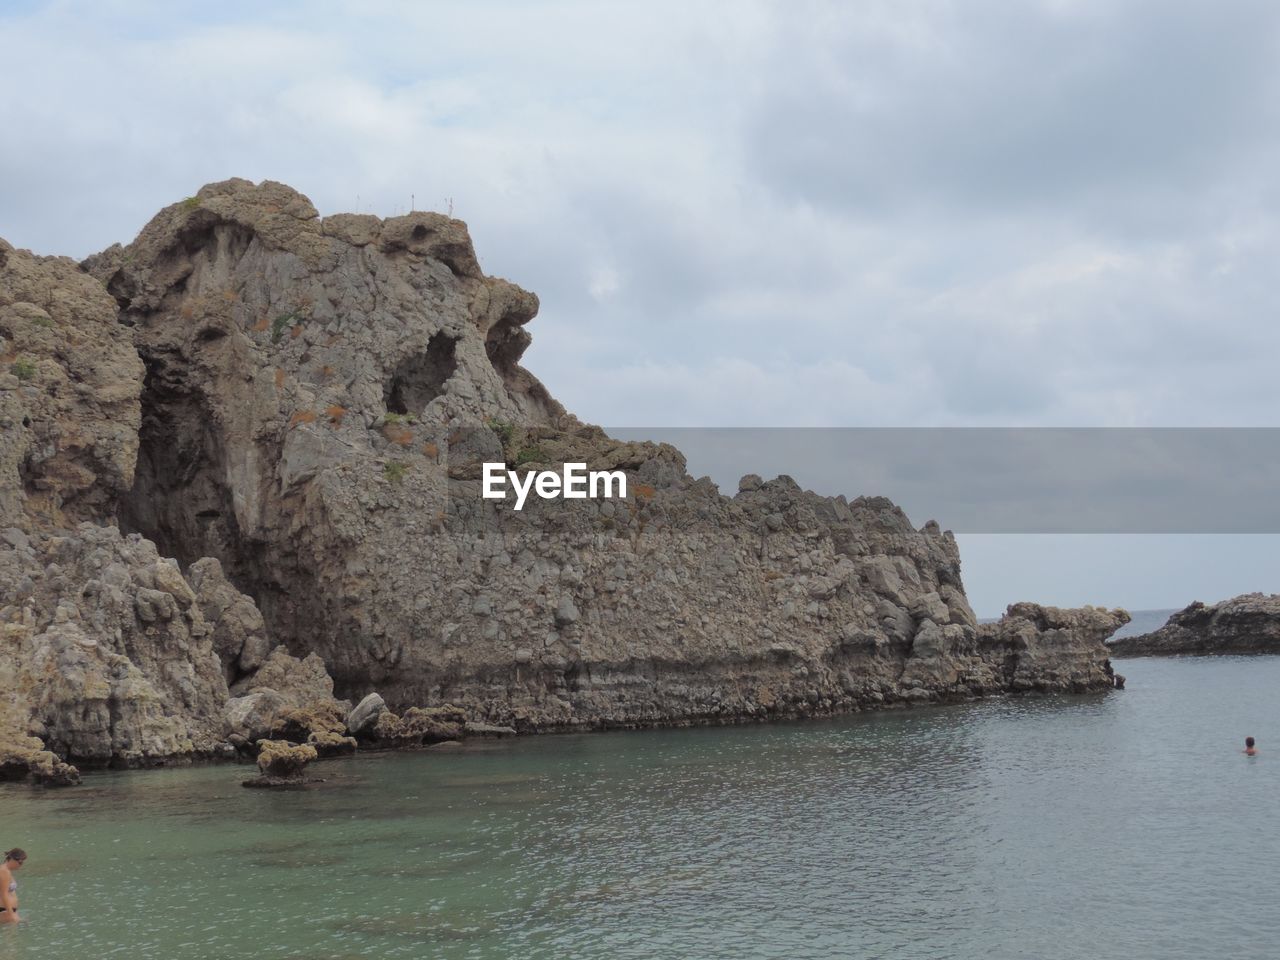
x,y
294,410
112,654
1246,624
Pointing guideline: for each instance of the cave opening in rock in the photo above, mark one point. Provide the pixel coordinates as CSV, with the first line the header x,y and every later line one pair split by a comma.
x,y
505,344
182,497
420,378
179,498
196,494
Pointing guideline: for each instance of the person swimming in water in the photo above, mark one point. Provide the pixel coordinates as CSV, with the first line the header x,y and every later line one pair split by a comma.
x,y
1249,749
13,860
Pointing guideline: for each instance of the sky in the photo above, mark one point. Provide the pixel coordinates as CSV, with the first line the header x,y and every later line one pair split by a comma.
x,y
901,213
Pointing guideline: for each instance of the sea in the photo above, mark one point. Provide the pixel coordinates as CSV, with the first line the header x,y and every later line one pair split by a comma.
x,y
1125,824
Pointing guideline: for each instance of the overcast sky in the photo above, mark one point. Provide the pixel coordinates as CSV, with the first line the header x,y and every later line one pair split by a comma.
x,y
769,214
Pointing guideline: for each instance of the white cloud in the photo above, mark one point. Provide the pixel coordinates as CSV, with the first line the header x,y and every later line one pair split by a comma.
x,y
1041,214
884,213
604,282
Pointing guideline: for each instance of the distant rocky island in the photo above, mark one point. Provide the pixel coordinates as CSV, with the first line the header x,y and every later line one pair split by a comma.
x,y
1249,623
240,491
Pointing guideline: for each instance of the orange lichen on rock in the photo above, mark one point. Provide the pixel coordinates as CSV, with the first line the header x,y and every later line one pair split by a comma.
x,y
401,436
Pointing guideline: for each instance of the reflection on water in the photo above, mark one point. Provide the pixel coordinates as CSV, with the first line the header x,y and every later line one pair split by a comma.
x,y
1125,825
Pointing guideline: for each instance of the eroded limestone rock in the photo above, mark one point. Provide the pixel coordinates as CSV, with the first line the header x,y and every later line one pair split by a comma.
x,y
1052,650
70,380
333,387
305,441
112,653
286,698
108,656
1249,623
282,764
25,758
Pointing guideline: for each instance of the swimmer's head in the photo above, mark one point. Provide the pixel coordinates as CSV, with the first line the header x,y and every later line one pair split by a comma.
x,y
16,856
1248,742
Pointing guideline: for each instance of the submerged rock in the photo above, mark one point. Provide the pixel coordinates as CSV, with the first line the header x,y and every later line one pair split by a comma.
x,y
1249,623
474,729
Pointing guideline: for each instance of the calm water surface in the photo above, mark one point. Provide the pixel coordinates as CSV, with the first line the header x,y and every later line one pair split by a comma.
x,y
1126,825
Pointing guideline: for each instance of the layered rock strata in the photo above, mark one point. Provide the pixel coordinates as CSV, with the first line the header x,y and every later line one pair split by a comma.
x,y
1249,623
240,475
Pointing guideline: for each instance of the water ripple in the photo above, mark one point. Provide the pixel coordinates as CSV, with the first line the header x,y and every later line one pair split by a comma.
x,y
1119,826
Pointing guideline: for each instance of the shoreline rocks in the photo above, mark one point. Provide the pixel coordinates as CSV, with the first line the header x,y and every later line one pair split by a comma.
x,y
27,759
365,714
1249,623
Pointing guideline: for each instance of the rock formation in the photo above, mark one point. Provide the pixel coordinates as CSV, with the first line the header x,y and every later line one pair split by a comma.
x,y
69,384
1051,649
1246,624
109,655
281,764
112,655
294,409
25,758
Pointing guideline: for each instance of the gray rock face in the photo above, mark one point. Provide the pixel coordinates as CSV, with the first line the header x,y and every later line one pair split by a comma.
x,y
1249,623
284,691
330,387
109,657
365,715
296,410
1052,649
69,386
112,653
239,633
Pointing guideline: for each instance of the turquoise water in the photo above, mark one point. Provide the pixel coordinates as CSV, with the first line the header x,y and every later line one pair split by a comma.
x,y
1119,825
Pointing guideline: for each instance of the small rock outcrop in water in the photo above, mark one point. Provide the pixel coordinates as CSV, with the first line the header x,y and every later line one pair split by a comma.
x,y
1246,624
239,479
281,764
1048,648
